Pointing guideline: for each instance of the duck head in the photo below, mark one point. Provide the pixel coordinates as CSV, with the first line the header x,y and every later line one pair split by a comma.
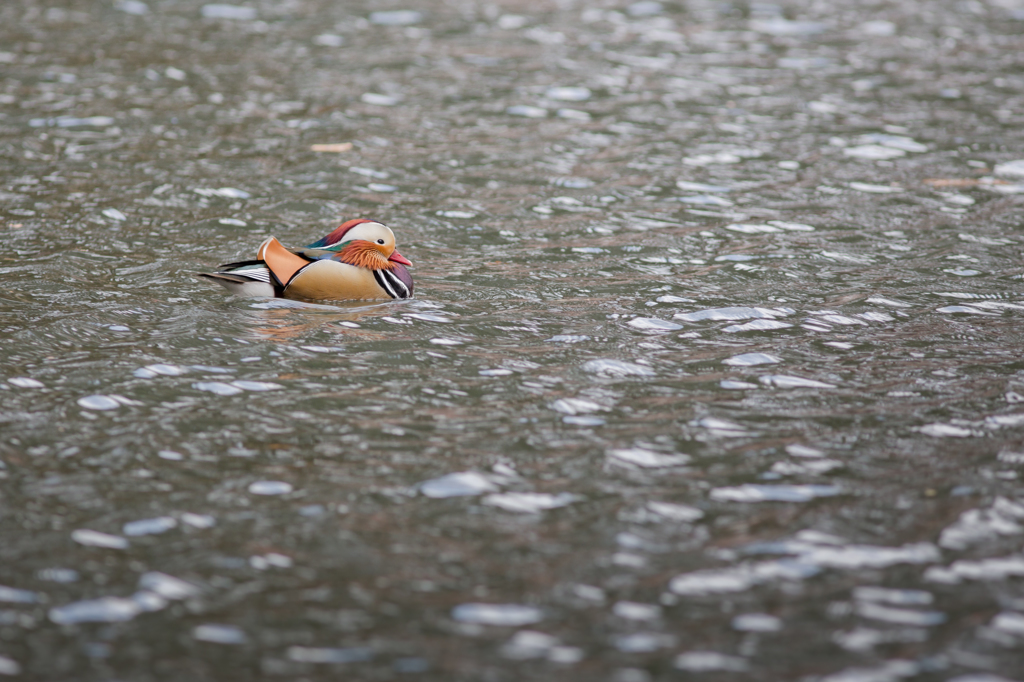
x,y
364,243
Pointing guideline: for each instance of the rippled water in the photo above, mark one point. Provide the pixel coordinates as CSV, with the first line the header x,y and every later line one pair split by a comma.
x,y
714,369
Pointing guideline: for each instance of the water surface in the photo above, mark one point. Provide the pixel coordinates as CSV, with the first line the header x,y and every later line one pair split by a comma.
x,y
714,369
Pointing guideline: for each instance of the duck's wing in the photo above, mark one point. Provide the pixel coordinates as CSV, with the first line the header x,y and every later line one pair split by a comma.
x,y
267,275
284,265
246,278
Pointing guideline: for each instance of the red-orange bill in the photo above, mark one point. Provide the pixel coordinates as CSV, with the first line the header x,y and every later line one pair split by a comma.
x,y
399,258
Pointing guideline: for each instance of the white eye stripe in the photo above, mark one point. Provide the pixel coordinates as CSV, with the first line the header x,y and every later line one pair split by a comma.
x,y
371,232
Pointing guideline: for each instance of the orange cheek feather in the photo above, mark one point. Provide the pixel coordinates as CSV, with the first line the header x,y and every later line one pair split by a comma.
x,y
363,254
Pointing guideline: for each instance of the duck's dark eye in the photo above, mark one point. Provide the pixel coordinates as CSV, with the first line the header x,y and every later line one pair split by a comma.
x,y
380,241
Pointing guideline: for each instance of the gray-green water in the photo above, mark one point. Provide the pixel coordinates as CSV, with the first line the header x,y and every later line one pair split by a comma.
x,y
714,370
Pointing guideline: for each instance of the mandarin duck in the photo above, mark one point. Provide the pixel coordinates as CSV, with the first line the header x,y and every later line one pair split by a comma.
x,y
356,261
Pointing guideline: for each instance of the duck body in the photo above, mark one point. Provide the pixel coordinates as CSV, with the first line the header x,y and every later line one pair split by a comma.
x,y
357,261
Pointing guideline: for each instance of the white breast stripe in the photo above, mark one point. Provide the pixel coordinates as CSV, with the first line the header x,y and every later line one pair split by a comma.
x,y
382,280
397,284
